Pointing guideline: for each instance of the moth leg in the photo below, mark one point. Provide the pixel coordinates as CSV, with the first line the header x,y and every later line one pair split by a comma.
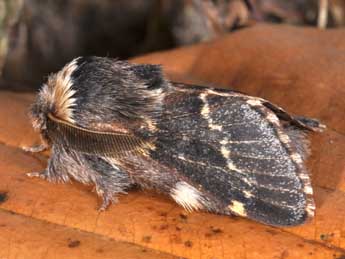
x,y
109,180
107,199
56,170
42,174
107,193
50,174
108,188
105,204
35,149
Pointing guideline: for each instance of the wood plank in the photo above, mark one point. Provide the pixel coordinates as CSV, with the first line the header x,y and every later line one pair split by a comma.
x,y
26,237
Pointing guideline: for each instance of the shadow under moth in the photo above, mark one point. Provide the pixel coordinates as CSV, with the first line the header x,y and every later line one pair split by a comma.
x,y
115,125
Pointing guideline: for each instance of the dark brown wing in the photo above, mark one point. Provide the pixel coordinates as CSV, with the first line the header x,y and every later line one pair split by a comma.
x,y
235,150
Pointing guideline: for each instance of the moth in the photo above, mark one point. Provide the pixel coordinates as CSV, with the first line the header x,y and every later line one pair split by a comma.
x,y
115,125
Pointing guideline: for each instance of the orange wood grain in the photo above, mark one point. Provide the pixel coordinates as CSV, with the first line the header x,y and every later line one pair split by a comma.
x,y
26,237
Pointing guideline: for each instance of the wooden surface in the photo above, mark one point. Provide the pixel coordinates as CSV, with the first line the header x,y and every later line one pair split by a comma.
x,y
26,237
301,70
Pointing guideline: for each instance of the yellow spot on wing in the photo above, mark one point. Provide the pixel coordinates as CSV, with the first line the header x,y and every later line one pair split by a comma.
x,y
238,208
296,158
310,210
205,112
254,102
308,190
247,194
225,152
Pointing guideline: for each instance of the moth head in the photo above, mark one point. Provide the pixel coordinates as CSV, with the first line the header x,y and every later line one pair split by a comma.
x,y
56,98
97,93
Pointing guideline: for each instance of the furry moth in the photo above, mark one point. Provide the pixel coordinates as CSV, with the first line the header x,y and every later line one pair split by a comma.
x,y
113,124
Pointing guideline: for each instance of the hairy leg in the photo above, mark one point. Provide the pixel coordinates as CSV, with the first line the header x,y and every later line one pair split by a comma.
x,y
57,168
64,164
35,149
109,180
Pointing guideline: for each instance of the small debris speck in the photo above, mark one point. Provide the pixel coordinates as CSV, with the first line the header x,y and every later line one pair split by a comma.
x,y
216,230
188,243
183,217
73,243
146,239
272,232
326,237
3,196
164,226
